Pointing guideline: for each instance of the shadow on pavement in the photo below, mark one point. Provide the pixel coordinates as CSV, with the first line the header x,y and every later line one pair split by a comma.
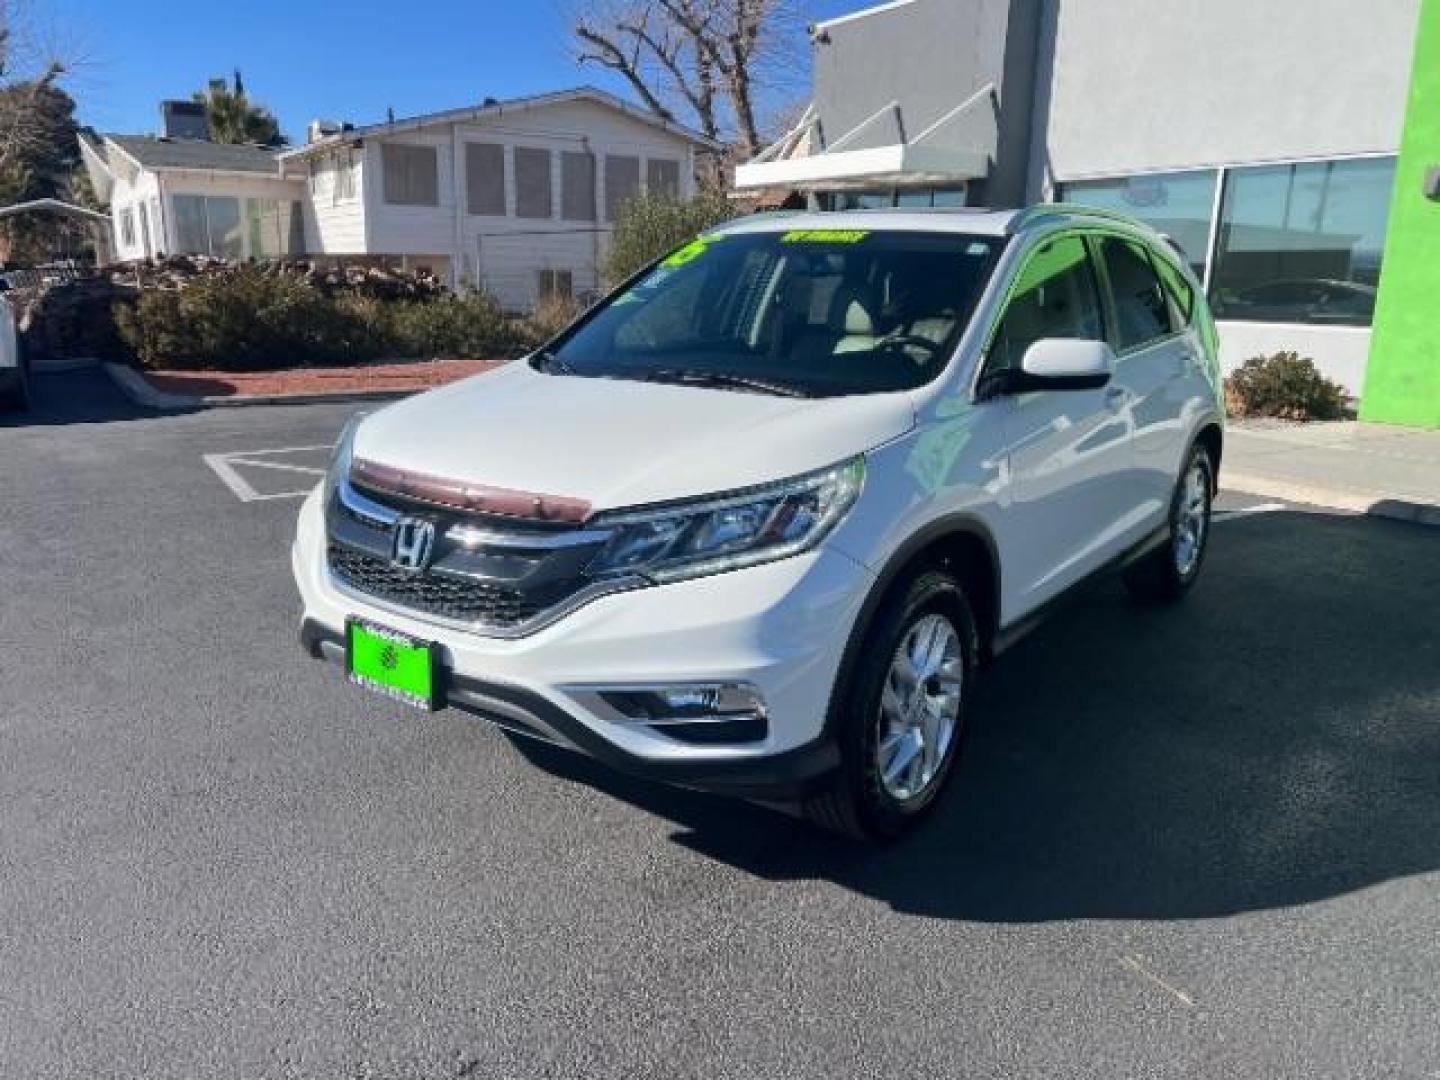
x,y
79,396
1272,741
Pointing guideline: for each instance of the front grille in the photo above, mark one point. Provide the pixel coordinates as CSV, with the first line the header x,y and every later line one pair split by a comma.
x,y
447,595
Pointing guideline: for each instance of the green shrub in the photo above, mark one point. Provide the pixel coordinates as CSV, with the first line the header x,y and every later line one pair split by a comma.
x,y
471,325
1285,385
253,319
551,315
647,227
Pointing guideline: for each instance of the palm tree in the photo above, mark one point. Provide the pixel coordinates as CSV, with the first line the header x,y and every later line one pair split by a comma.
x,y
234,119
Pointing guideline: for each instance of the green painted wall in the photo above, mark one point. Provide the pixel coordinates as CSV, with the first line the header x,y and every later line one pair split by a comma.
x,y
1402,381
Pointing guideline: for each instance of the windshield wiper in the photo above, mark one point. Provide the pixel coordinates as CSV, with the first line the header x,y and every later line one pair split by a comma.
x,y
726,380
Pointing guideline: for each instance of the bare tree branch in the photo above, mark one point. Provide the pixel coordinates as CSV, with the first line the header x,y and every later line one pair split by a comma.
x,y
709,58
610,55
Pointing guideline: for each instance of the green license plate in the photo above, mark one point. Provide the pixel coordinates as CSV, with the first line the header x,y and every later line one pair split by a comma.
x,y
391,663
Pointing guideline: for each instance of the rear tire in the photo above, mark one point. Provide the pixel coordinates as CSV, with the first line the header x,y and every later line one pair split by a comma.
x,y
1167,573
900,711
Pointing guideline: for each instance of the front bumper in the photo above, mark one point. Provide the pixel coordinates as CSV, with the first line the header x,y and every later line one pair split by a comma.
x,y
780,627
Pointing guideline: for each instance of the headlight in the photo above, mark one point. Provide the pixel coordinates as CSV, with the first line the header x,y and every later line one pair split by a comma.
x,y
704,537
340,459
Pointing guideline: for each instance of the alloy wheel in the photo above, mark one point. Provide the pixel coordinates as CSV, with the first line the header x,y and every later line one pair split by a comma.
x,y
1192,520
919,707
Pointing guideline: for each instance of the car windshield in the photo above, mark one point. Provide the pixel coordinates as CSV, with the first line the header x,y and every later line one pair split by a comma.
x,y
805,312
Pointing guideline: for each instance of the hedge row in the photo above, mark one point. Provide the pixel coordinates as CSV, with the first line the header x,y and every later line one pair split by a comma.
x,y
252,319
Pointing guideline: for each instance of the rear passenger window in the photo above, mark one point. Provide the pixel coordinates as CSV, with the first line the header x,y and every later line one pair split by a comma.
x,y
1179,290
1142,313
1055,297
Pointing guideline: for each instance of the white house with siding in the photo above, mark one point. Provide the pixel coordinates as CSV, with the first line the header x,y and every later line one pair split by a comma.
x,y
517,197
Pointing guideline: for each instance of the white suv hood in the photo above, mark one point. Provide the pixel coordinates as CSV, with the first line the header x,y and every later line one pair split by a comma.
x,y
613,442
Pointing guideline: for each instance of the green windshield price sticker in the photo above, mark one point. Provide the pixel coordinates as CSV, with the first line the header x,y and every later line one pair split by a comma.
x,y
693,250
393,664
824,236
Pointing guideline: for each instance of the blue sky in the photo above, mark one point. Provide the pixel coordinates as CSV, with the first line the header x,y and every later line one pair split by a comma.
x,y
315,58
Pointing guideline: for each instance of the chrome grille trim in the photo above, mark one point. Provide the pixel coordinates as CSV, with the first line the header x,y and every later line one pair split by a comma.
x,y
530,626
473,536
363,507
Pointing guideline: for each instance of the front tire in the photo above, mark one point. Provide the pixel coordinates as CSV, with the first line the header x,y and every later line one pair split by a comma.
x,y
900,712
1167,573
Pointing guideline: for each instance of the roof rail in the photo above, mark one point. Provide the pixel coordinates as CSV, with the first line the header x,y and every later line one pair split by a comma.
x,y
1040,211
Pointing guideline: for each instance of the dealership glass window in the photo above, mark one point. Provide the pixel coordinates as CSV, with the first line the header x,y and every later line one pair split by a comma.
x,y
1302,242
577,186
902,197
532,183
1178,204
412,174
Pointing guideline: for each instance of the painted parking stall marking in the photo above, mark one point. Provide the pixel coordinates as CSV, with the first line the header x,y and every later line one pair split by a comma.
x,y
285,472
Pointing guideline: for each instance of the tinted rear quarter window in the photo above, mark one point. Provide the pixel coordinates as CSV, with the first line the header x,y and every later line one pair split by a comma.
x,y
1178,289
1142,312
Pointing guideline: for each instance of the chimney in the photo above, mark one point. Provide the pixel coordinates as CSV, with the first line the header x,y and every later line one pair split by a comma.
x,y
184,120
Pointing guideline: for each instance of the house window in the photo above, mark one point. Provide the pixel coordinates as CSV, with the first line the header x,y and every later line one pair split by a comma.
x,y
577,186
208,225
485,178
412,174
1178,204
127,227
1302,243
555,284
344,185
145,230
274,228
662,177
533,197
622,183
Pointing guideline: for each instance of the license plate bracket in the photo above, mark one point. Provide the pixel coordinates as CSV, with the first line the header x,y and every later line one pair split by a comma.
x,y
393,663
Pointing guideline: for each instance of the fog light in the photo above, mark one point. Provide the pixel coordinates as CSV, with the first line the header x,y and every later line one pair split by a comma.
x,y
709,713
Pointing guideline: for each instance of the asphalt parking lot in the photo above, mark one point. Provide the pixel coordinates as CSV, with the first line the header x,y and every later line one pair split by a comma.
x,y
1195,842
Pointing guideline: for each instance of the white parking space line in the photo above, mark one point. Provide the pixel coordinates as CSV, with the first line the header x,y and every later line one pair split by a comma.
x,y
1222,516
1134,963
229,468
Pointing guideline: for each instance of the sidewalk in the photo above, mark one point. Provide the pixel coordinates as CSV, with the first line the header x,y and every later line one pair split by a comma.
x,y
1367,468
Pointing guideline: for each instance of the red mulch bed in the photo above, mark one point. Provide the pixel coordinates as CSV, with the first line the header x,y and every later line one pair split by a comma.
x,y
414,376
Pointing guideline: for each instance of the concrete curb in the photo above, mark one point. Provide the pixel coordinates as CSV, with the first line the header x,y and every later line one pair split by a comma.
x,y
1385,506
138,389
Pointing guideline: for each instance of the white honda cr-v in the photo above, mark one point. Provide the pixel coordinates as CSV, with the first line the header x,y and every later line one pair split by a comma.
x,y
754,523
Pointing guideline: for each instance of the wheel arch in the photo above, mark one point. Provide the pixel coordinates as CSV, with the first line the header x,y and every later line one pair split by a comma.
x,y
959,544
1212,438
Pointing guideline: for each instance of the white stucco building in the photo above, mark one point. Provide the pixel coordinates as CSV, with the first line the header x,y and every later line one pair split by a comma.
x,y
517,197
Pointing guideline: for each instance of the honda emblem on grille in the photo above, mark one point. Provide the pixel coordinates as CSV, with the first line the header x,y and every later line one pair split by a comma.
x,y
412,544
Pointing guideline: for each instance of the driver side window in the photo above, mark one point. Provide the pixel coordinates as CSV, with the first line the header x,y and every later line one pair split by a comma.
x,y
1055,296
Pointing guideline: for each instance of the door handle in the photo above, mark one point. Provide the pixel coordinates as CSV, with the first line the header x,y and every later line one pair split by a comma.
x,y
1115,397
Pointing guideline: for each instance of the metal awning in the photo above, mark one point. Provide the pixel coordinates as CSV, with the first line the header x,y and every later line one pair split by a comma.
x,y
956,148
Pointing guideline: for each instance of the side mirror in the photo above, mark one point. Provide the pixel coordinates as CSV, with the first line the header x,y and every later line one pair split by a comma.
x,y
1055,364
